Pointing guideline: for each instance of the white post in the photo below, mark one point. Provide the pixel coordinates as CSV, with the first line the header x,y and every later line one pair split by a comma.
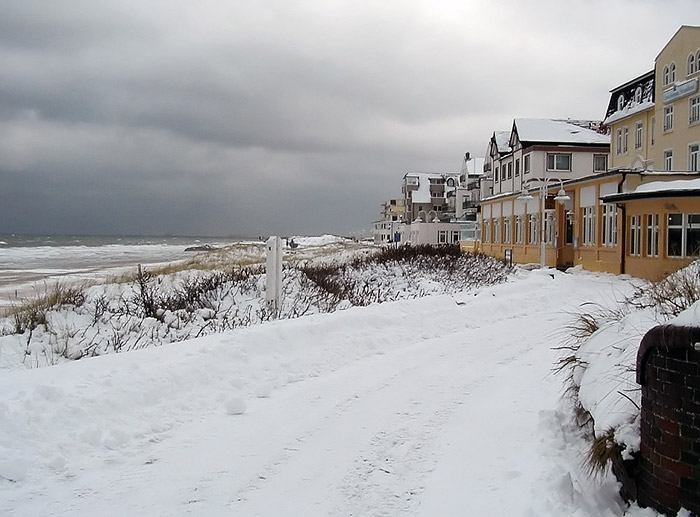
x,y
273,276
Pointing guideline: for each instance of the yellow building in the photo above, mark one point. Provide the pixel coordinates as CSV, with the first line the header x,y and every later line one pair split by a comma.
x,y
642,215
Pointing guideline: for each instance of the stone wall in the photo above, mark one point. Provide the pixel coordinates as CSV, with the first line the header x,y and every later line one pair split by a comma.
x,y
668,368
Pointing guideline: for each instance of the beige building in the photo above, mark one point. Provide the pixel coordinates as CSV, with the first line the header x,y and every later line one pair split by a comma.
x,y
642,216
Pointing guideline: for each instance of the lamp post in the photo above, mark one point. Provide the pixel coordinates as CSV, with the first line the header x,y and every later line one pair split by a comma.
x,y
543,184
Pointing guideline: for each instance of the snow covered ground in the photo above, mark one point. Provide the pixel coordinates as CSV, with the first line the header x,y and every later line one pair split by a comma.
x,y
444,405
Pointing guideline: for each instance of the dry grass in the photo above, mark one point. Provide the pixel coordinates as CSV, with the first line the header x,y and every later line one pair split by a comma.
x,y
604,451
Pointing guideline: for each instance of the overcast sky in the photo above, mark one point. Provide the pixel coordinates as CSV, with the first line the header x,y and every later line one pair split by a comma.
x,y
243,117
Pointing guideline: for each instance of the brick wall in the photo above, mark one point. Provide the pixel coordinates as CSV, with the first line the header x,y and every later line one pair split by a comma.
x,y
668,368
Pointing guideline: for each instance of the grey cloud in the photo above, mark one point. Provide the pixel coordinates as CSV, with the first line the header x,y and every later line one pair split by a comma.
x,y
166,116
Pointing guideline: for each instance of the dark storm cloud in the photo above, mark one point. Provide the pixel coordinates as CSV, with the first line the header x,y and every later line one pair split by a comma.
x,y
281,116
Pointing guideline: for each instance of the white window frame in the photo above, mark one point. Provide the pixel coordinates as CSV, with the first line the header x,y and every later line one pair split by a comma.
x,y
497,230
526,164
604,158
638,135
691,63
534,227
549,227
555,166
652,244
668,118
519,229
694,157
668,159
635,249
609,220
694,110
666,76
487,230
507,230
689,224
618,141
589,225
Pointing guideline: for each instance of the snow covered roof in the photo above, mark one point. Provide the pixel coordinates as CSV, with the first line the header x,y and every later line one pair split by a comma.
x,y
502,139
631,98
473,166
422,193
535,130
678,188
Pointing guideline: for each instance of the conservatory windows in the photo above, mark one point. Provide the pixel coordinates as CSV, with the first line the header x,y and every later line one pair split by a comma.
x,y
683,235
653,235
635,235
589,226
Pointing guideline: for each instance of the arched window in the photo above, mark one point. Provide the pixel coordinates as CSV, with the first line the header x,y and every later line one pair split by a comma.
x,y
691,64
638,95
620,102
666,75
672,72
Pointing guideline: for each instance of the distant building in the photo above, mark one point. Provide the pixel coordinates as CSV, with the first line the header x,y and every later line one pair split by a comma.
x,y
388,228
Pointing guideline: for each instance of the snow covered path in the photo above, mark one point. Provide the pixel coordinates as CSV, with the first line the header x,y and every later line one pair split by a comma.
x,y
439,406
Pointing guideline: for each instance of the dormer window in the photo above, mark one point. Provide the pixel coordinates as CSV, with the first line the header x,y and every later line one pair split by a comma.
x,y
620,102
638,95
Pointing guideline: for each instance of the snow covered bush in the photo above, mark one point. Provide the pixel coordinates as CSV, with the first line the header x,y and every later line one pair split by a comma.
x,y
600,361
152,308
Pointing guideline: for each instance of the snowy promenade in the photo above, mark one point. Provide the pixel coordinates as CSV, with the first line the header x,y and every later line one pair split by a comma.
x,y
440,406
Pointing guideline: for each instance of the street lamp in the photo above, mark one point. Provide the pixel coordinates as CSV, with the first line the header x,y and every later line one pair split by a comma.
x,y
561,196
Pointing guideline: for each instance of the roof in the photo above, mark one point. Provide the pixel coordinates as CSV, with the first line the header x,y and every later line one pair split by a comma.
x,y
502,139
535,130
631,98
473,166
657,189
682,27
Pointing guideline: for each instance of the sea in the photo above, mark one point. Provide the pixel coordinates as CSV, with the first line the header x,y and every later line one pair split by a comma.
x,y
31,264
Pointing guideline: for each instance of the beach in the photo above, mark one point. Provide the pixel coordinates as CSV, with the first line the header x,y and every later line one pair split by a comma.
x,y
31,265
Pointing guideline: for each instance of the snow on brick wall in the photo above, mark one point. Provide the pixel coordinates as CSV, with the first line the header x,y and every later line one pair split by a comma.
x,y
668,368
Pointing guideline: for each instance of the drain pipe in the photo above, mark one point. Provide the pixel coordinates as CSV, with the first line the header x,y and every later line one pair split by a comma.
x,y
623,225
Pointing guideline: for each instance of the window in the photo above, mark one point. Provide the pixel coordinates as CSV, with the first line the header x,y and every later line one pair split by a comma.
x,y
694,110
526,164
600,162
496,176
503,172
635,235
667,76
620,102
496,230
638,95
618,147
517,167
683,235
549,227
625,138
609,225
510,170
519,229
638,135
668,118
694,157
534,229
653,235
442,236
691,64
668,160
487,230
672,72
558,162
507,230
589,226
